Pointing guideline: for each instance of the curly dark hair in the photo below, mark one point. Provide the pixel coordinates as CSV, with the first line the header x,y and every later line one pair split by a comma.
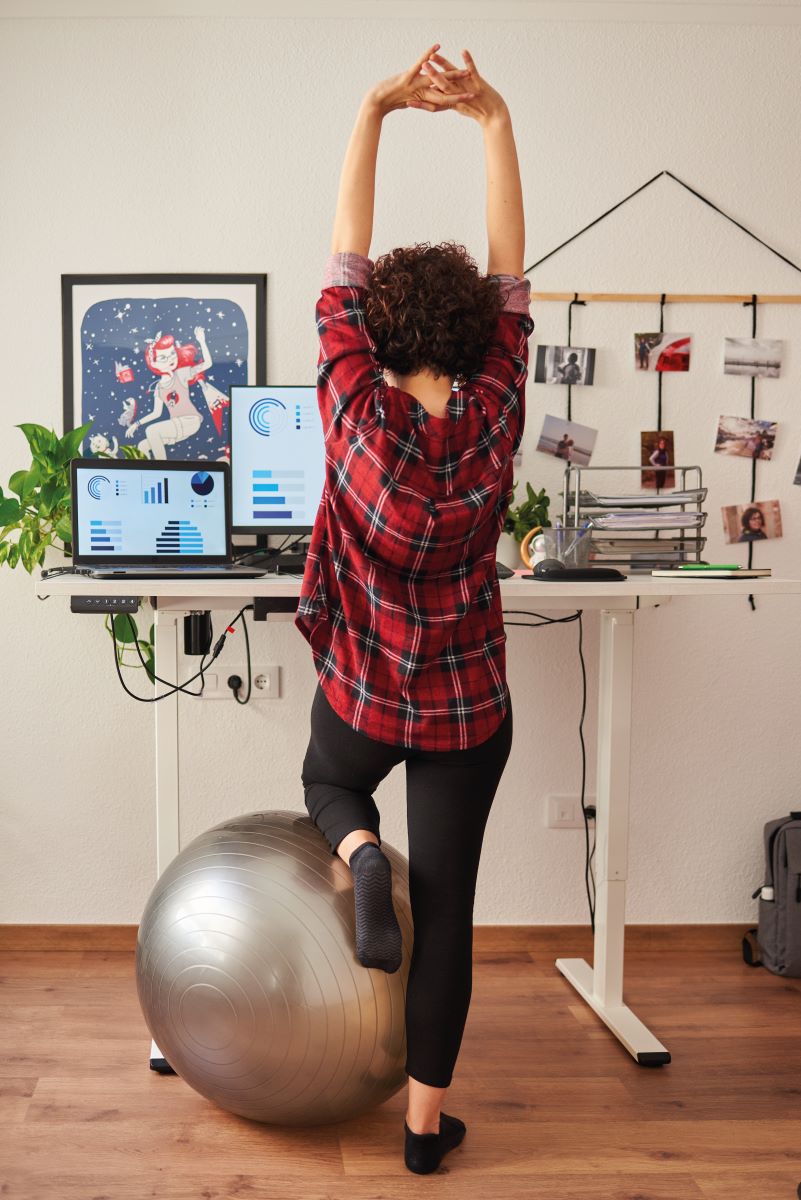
x,y
429,308
753,511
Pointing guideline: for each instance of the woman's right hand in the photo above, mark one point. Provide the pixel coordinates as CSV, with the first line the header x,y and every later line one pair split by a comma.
x,y
486,103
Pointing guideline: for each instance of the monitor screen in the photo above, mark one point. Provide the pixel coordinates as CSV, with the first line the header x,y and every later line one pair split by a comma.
x,y
277,458
124,510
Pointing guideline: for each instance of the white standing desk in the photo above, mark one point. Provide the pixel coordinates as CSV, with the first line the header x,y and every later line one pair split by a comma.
x,y
601,984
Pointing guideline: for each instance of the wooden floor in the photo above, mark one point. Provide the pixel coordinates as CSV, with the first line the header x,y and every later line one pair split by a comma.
x,y
555,1107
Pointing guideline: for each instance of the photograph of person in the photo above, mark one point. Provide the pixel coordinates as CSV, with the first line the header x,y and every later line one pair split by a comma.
x,y
656,451
567,440
662,351
565,364
752,356
745,437
752,522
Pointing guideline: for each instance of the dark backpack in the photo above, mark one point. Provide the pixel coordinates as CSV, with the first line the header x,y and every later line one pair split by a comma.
x,y
776,943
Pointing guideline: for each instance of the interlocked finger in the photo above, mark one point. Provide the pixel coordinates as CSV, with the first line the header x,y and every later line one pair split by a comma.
x,y
444,80
415,70
443,62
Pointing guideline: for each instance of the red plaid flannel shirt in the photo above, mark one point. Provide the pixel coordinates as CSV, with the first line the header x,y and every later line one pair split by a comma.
x,y
400,600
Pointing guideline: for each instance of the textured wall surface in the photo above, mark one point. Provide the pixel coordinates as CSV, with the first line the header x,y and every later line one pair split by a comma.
x,y
215,145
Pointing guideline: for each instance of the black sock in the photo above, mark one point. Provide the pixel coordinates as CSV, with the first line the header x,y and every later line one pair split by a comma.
x,y
423,1152
378,936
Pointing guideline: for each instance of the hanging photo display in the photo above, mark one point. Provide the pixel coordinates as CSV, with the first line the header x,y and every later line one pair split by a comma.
x,y
567,440
656,450
565,364
752,356
745,437
752,522
662,351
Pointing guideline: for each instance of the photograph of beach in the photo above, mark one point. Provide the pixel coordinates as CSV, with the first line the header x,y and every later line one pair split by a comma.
x,y
567,440
752,356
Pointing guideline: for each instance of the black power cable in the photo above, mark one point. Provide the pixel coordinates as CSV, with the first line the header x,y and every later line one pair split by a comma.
x,y
182,687
247,649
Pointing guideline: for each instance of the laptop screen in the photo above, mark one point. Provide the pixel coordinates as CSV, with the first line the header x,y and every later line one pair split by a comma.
x,y
150,512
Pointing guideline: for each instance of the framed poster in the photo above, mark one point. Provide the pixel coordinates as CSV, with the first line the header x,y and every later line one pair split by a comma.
x,y
149,359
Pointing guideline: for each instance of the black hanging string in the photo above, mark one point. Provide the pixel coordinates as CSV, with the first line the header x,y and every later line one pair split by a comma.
x,y
753,303
575,300
642,188
660,373
659,475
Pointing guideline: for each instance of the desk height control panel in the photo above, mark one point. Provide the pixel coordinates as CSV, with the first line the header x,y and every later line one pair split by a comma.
x,y
95,604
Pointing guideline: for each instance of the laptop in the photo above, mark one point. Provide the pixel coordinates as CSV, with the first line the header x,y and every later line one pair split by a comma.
x,y
153,519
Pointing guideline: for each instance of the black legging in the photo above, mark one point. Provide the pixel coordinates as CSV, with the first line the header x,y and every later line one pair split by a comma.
x,y
449,794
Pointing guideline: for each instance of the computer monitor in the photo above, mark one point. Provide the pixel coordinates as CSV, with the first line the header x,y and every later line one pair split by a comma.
x,y
277,458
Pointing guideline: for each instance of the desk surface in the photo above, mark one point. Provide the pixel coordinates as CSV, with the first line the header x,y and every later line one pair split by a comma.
x,y
632,592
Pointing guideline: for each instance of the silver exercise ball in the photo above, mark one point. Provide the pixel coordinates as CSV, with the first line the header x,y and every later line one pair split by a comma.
x,y
248,978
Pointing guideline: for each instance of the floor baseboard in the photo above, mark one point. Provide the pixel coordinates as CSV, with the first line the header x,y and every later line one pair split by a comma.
x,y
551,939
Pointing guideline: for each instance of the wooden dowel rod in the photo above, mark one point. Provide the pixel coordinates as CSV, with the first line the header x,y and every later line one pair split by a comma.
x,y
670,298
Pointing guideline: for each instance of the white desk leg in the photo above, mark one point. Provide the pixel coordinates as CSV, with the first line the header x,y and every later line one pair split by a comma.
x,y
167,789
602,984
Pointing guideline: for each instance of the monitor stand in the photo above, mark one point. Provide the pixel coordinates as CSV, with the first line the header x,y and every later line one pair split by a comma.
x,y
282,562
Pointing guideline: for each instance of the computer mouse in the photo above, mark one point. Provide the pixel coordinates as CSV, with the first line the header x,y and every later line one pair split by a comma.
x,y
547,567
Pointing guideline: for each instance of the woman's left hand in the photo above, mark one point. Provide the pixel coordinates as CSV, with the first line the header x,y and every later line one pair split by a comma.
x,y
411,89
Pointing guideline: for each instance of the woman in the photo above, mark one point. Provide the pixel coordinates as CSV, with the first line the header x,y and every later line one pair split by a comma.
x,y
752,523
569,372
564,447
660,457
177,370
400,600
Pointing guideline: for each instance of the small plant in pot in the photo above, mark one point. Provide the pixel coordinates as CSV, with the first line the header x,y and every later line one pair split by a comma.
x,y
531,513
38,514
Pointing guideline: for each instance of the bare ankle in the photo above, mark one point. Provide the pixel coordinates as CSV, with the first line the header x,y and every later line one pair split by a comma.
x,y
424,1106
352,842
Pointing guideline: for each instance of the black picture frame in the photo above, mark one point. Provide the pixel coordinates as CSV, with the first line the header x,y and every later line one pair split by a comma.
x,y
110,375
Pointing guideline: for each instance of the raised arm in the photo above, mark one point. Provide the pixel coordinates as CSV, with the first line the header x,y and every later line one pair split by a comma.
x,y
353,223
505,225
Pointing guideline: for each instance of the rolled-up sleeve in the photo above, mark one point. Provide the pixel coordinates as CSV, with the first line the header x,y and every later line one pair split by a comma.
x,y
348,372
500,381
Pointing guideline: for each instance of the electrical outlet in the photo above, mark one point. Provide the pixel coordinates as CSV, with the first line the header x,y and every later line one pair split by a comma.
x,y
564,812
265,683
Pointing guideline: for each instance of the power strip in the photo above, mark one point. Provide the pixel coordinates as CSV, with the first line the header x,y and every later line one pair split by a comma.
x,y
93,604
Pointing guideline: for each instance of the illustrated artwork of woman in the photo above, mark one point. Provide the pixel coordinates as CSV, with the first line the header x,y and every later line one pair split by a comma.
x,y
418,483
176,367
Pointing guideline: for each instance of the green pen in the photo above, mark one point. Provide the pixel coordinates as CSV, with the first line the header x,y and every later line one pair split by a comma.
x,y
709,566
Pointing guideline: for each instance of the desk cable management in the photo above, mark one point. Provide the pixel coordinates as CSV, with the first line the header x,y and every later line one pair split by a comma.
x,y
204,666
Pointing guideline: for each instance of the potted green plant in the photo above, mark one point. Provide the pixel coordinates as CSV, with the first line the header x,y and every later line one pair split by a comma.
x,y
36,520
531,512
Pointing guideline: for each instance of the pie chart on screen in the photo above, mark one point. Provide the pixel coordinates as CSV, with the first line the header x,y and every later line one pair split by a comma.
x,y
202,482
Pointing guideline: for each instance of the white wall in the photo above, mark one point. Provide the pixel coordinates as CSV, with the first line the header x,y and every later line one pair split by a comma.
x,y
252,118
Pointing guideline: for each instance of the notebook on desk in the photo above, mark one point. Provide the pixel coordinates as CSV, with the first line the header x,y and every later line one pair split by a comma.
x,y
138,519
715,573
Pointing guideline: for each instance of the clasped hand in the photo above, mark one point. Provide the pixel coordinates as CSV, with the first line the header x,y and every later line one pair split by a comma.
x,y
424,87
